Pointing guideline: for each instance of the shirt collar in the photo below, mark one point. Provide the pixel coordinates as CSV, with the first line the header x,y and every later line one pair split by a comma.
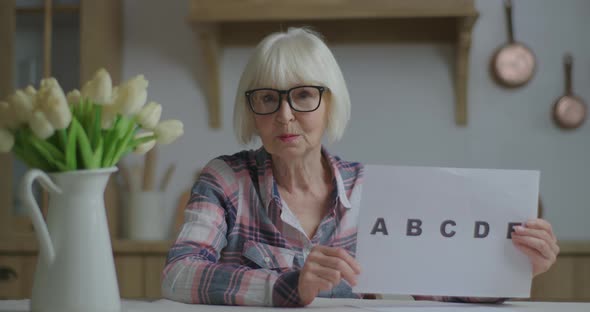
x,y
269,189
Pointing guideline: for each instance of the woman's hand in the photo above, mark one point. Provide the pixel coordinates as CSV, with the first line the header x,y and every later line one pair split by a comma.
x,y
537,241
324,268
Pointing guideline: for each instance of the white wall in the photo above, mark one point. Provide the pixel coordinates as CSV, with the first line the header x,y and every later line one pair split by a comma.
x,y
402,99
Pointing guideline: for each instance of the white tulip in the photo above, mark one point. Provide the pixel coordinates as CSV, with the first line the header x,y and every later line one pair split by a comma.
x,y
7,116
168,130
46,85
57,110
146,146
149,116
114,95
73,97
107,117
23,106
99,89
40,126
131,96
6,141
31,92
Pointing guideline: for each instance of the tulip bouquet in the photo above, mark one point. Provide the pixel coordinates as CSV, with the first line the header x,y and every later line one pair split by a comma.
x,y
91,129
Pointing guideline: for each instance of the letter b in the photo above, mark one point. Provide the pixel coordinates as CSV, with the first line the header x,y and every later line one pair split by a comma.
x,y
413,228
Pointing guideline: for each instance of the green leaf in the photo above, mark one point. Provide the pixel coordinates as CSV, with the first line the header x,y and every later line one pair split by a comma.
x,y
135,143
30,161
83,114
50,148
89,127
97,126
63,138
47,155
84,120
122,127
71,148
97,158
28,152
112,137
123,146
89,114
83,145
53,139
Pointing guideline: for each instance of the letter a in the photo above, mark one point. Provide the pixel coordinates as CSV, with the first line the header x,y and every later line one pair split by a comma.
x,y
379,227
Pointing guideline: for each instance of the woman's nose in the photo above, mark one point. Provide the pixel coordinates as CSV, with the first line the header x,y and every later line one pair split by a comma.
x,y
285,113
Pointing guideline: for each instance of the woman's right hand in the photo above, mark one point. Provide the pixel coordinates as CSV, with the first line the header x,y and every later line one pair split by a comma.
x,y
324,268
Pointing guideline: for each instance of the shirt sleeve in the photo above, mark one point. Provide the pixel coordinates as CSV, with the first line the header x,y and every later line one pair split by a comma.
x,y
192,273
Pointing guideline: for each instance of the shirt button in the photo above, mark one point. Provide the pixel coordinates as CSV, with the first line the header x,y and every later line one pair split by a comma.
x,y
266,259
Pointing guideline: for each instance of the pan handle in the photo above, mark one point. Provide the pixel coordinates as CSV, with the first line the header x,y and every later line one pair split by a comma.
x,y
508,8
568,61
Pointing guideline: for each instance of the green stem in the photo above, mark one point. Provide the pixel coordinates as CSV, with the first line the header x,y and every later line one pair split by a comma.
x,y
84,145
63,137
71,161
24,149
47,155
137,142
110,142
97,124
53,151
27,159
97,157
124,144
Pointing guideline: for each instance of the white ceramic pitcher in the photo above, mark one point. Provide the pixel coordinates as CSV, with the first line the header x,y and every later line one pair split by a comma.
x,y
75,271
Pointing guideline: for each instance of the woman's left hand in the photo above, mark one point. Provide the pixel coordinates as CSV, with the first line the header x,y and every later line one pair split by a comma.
x,y
537,241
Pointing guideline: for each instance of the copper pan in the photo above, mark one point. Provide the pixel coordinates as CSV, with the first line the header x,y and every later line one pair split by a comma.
x,y
513,64
569,111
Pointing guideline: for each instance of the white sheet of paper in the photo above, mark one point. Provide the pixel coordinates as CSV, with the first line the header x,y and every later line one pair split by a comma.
x,y
434,306
431,264
436,309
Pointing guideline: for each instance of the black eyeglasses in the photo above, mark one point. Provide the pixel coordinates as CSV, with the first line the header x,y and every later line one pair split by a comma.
x,y
266,101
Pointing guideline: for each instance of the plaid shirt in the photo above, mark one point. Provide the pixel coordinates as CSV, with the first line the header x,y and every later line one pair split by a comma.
x,y
241,245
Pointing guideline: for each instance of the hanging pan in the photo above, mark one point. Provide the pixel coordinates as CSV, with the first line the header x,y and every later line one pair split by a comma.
x,y
569,111
513,64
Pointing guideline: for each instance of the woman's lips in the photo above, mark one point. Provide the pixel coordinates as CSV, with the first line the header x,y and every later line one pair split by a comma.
x,y
288,137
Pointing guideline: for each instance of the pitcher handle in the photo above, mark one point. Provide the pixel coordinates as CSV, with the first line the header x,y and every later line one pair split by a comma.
x,y
46,245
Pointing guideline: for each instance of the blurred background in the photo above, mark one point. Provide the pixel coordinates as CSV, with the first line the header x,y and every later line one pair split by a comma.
x,y
420,82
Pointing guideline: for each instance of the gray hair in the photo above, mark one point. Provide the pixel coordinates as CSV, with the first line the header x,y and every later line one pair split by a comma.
x,y
296,57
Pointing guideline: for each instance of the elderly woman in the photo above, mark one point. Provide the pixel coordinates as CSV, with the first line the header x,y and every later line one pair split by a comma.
x,y
277,226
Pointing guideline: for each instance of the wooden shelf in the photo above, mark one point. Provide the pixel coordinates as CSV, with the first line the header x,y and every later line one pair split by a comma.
x,y
219,23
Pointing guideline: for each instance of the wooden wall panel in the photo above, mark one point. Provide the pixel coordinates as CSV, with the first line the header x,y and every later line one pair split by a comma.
x,y
130,275
557,283
153,276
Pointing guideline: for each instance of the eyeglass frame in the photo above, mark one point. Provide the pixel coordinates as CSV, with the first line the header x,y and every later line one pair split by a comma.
x,y
285,92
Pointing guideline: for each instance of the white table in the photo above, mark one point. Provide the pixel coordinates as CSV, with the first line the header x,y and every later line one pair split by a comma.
x,y
344,305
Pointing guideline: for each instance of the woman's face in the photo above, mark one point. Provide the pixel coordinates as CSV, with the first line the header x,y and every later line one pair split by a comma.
x,y
289,134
